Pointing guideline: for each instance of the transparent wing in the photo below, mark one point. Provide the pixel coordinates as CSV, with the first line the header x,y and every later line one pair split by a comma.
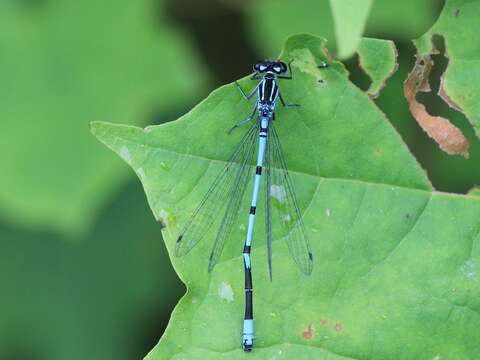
x,y
282,194
242,177
217,197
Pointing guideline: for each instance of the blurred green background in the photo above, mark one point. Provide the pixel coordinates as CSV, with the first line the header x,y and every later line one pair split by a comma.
x,y
84,273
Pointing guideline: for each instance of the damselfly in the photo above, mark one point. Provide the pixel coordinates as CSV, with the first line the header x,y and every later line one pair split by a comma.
x,y
226,193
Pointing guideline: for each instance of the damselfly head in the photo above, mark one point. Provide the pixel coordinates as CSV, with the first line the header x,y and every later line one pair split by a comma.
x,y
273,66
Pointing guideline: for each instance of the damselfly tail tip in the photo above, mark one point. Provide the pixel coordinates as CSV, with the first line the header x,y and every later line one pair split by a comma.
x,y
248,344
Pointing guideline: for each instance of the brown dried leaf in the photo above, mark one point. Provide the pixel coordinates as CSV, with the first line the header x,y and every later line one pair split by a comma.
x,y
448,136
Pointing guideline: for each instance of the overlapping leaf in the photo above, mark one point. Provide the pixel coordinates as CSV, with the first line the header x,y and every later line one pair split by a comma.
x,y
82,301
271,21
62,65
350,18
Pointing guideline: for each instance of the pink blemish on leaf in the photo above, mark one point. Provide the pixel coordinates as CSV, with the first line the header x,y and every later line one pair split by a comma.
x,y
324,322
308,334
338,327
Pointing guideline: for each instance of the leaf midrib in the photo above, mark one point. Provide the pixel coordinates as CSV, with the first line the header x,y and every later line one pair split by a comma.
x,y
360,181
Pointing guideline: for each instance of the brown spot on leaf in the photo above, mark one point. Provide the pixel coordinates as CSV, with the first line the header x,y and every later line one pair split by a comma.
x,y
308,333
338,327
324,322
448,136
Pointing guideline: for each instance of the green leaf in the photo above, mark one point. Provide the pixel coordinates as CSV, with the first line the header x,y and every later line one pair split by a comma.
x,y
458,25
272,21
475,191
402,20
349,17
378,58
97,299
396,264
64,64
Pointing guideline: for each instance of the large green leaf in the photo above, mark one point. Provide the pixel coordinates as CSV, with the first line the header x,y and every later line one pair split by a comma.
x,y
62,65
395,272
458,25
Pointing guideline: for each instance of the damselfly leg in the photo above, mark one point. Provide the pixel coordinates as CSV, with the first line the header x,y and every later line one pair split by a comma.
x,y
284,103
244,121
249,96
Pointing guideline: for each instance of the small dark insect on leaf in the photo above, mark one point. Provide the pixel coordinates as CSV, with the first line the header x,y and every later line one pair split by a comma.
x,y
162,224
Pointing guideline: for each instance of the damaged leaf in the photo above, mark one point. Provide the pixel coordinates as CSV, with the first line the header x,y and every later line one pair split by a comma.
x,y
448,136
378,58
459,86
396,264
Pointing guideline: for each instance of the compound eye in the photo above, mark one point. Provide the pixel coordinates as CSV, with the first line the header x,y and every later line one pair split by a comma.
x,y
283,67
